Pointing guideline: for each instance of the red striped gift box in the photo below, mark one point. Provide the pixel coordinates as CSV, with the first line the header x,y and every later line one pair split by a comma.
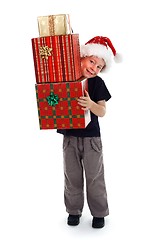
x,y
57,58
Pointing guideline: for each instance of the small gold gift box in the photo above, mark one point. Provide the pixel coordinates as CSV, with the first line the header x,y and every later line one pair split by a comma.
x,y
54,25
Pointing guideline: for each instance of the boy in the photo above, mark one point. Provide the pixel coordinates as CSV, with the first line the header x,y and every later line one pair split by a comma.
x,y
82,148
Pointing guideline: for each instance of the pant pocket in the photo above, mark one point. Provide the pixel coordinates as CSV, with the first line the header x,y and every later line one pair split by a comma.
x,y
96,144
66,141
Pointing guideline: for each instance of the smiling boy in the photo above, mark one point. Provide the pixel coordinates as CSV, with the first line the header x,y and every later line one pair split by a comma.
x,y
82,148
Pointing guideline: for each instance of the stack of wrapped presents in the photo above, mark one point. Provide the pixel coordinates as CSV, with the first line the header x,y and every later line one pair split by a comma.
x,y
56,54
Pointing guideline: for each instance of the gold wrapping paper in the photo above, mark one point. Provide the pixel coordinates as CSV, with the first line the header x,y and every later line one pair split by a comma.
x,y
54,25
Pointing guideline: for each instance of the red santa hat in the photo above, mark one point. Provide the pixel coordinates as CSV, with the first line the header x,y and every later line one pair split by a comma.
x,y
100,47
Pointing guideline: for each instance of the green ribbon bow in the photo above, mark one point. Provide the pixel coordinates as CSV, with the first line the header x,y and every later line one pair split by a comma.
x,y
52,99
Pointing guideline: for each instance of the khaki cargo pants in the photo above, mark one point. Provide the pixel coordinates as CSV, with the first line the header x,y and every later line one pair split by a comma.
x,y
84,155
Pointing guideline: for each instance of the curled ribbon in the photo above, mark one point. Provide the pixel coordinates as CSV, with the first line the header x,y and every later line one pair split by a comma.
x,y
52,99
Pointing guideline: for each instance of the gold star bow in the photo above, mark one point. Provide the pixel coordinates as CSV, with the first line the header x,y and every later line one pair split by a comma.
x,y
45,52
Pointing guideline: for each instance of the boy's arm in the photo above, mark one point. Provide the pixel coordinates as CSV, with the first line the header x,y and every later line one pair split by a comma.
x,y
99,108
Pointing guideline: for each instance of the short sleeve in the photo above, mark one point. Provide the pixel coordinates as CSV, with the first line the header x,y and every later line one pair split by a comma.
x,y
101,91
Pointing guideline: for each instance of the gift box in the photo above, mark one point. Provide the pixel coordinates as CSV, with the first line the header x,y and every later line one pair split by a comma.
x,y
58,107
54,25
57,58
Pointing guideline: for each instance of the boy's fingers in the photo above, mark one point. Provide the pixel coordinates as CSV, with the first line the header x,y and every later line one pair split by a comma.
x,y
86,93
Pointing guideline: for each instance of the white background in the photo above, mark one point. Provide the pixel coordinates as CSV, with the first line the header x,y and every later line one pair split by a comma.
x,y
31,164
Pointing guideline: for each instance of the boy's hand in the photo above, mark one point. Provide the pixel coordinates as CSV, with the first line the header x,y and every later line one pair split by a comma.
x,y
85,101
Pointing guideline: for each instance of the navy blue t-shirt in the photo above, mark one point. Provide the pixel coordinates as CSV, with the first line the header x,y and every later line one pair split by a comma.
x,y
97,92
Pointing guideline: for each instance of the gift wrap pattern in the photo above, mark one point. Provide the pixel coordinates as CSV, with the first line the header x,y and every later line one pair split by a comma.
x,y
56,58
54,25
58,107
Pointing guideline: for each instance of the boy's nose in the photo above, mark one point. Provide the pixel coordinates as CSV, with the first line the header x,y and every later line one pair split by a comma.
x,y
94,69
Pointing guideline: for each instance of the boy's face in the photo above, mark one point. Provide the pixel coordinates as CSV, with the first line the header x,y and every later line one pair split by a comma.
x,y
91,66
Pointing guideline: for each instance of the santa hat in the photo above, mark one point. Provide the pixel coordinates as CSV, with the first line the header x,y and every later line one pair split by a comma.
x,y
100,47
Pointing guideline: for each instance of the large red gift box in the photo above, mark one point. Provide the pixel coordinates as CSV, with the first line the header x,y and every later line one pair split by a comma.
x,y
57,58
58,107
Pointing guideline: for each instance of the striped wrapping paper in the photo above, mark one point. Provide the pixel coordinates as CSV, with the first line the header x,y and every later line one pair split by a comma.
x,y
57,58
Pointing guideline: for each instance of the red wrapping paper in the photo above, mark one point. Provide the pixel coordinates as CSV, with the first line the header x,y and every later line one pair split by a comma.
x,y
56,58
66,114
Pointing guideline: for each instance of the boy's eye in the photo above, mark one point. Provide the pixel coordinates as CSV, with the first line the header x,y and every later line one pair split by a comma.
x,y
99,67
91,61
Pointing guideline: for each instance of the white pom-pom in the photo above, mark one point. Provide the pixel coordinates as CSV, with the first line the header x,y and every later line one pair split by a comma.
x,y
118,58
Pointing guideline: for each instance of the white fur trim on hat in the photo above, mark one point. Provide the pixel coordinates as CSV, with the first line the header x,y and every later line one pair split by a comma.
x,y
97,50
